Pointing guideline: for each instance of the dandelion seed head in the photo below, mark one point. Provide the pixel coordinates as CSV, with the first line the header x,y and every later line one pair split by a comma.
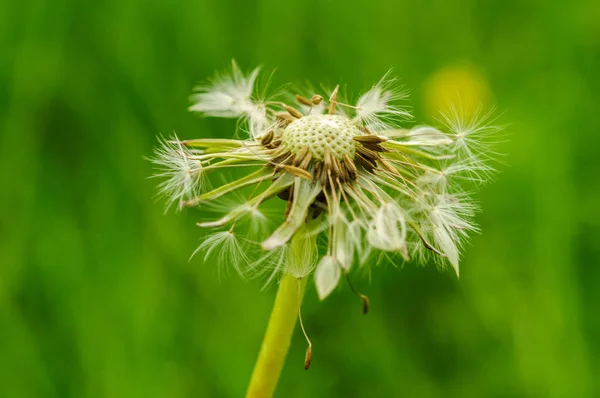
x,y
319,133
354,184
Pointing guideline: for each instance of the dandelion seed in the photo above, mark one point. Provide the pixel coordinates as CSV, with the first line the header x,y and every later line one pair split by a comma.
x,y
181,171
473,137
378,108
227,247
231,96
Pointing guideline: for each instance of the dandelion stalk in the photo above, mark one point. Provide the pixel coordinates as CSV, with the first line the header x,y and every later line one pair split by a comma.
x,y
277,338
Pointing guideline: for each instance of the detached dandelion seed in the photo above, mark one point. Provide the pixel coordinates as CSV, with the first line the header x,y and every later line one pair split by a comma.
x,y
351,174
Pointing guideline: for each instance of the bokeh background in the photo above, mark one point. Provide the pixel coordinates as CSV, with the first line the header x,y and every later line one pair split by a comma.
x,y
98,298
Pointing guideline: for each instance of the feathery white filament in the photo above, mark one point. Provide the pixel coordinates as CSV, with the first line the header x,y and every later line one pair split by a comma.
x,y
227,247
230,95
182,173
377,109
473,137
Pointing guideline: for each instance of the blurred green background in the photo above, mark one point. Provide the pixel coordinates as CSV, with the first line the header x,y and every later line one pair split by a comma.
x,y
97,297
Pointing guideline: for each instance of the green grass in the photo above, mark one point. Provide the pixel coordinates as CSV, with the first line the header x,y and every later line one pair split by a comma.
x,y
98,299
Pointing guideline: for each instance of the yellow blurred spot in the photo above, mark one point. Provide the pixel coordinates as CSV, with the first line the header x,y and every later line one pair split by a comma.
x,y
460,86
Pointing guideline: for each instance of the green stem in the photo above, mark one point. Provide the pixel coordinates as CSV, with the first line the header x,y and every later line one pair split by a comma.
x,y
277,338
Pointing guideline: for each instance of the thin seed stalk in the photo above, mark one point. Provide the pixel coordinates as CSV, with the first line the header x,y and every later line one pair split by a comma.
x,y
276,342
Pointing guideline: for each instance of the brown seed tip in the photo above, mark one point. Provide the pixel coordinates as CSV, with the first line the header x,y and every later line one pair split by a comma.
x,y
267,138
308,358
366,304
298,172
370,139
189,203
303,100
284,118
293,111
316,99
387,166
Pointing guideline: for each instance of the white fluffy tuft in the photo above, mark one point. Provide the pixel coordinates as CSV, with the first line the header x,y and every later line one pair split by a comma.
x,y
377,109
231,95
182,173
228,247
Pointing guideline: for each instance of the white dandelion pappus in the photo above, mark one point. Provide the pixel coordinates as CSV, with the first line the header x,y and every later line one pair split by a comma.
x,y
182,173
231,96
378,108
227,246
